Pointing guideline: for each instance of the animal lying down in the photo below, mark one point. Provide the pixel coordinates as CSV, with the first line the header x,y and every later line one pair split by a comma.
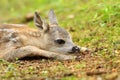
x,y
48,40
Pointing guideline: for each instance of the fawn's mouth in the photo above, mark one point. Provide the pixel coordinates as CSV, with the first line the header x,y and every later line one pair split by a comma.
x,y
72,52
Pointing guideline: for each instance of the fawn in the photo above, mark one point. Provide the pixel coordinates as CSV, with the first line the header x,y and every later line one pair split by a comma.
x,y
48,40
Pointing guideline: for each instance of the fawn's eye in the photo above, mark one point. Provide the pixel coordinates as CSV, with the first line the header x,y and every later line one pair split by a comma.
x,y
60,41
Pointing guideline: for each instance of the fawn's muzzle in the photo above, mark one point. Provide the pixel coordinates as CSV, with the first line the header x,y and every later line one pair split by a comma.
x,y
75,49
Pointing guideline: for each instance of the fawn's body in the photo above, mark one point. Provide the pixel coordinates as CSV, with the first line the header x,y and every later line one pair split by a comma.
x,y
18,41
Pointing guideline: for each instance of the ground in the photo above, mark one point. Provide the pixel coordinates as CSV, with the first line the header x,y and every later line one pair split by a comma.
x,y
92,23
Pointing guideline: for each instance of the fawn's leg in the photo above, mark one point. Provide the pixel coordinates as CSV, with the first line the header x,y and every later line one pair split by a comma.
x,y
34,51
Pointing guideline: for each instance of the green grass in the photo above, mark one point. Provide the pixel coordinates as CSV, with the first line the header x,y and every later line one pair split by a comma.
x,y
96,24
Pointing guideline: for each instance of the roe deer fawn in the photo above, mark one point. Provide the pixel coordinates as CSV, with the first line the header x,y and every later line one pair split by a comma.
x,y
48,40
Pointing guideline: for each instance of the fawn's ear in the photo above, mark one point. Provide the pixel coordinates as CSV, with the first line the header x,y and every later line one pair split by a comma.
x,y
52,17
40,23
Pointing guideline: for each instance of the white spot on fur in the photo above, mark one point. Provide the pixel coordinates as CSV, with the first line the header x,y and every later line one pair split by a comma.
x,y
8,30
14,39
16,25
36,34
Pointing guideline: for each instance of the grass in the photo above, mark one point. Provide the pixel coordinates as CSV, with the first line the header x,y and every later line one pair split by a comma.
x,y
92,23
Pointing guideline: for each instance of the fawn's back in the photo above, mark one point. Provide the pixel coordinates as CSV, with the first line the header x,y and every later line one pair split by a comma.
x,y
15,35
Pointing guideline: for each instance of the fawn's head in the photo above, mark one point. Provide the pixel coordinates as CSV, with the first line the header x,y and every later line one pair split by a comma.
x,y
54,38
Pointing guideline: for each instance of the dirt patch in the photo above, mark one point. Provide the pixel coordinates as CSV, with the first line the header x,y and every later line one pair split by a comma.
x,y
90,67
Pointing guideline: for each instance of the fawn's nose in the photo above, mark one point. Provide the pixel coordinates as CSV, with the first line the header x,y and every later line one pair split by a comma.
x,y
75,49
